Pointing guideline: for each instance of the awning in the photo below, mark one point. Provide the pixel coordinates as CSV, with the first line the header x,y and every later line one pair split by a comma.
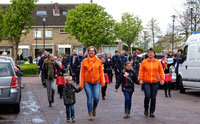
x,y
64,46
23,47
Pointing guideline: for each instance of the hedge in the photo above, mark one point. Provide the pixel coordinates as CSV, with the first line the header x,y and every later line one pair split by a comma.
x,y
29,69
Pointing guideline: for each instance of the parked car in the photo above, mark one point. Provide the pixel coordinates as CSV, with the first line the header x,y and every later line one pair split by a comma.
x,y
158,56
18,71
10,91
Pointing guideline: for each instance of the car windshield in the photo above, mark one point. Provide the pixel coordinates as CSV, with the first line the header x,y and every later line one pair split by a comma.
x,y
159,56
5,70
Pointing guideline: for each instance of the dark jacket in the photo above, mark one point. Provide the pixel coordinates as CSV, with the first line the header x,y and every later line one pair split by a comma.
x,y
116,63
60,71
179,59
41,61
77,63
45,70
127,82
69,94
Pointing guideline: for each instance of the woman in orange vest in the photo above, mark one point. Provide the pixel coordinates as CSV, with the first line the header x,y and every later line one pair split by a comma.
x,y
151,73
91,78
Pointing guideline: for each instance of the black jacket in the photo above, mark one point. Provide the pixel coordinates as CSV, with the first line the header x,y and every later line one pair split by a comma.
x,y
41,61
127,83
69,94
116,63
78,61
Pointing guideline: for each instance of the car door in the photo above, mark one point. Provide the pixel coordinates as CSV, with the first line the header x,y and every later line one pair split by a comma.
x,y
6,73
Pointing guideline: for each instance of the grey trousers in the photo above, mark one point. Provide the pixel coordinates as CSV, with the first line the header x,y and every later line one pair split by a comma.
x,y
50,89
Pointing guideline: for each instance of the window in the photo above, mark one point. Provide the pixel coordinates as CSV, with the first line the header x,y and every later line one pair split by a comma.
x,y
48,34
41,13
62,31
64,13
61,51
37,34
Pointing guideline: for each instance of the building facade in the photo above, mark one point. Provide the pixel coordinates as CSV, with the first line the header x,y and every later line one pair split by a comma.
x,y
48,33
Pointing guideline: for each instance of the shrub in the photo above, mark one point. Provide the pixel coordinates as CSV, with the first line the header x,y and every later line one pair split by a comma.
x,y
29,69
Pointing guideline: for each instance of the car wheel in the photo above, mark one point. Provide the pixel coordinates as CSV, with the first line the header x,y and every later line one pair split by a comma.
x,y
16,108
182,89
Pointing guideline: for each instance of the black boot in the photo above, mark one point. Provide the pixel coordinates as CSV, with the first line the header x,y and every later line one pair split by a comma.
x,y
53,92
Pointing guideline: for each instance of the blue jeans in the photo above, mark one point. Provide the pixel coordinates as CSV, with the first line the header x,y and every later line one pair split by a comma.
x,y
70,110
150,92
92,91
128,99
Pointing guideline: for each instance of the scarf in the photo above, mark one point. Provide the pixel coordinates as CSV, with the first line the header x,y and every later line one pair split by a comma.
x,y
91,62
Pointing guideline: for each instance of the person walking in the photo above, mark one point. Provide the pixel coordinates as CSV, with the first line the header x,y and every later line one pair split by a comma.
x,y
91,78
69,98
77,66
179,58
40,65
109,68
117,65
72,65
60,81
105,66
127,80
168,78
49,71
150,71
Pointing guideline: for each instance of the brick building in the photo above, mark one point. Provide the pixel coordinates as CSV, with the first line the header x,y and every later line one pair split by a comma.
x,y
49,18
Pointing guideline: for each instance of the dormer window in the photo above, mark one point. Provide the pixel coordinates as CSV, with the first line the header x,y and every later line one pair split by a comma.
x,y
64,13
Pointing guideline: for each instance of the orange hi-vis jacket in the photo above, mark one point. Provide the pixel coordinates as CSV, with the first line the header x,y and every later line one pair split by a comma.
x,y
91,71
150,71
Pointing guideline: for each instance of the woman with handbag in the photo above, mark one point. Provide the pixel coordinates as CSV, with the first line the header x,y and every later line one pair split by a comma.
x,y
60,81
127,80
168,78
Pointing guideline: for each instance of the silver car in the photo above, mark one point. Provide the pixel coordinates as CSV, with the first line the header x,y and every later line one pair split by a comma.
x,y
10,92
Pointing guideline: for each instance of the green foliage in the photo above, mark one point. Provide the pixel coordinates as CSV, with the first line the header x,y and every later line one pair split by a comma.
x,y
129,29
1,24
91,25
18,17
29,69
133,48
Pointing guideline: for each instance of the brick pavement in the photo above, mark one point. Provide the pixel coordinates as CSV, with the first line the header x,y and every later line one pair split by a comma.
x,y
180,109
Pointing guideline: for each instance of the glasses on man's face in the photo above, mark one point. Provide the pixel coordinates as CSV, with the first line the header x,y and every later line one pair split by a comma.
x,y
91,51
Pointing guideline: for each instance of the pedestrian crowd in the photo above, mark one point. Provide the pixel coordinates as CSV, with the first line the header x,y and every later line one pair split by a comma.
x,y
93,72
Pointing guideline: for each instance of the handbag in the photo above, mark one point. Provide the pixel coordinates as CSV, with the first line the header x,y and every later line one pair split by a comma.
x,y
106,78
60,80
168,77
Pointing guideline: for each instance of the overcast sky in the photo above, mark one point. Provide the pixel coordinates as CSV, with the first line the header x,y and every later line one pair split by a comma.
x,y
162,10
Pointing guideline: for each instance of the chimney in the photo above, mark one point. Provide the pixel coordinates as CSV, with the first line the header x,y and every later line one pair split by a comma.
x,y
56,10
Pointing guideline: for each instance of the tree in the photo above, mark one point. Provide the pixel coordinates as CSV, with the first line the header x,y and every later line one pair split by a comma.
x,y
1,24
129,29
18,17
91,25
153,27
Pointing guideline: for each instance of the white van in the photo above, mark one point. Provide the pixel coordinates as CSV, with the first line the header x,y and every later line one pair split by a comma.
x,y
189,70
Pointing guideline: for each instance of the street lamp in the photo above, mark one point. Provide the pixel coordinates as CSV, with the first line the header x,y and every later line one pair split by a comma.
x,y
44,20
173,20
36,31
145,41
43,14
191,5
91,1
